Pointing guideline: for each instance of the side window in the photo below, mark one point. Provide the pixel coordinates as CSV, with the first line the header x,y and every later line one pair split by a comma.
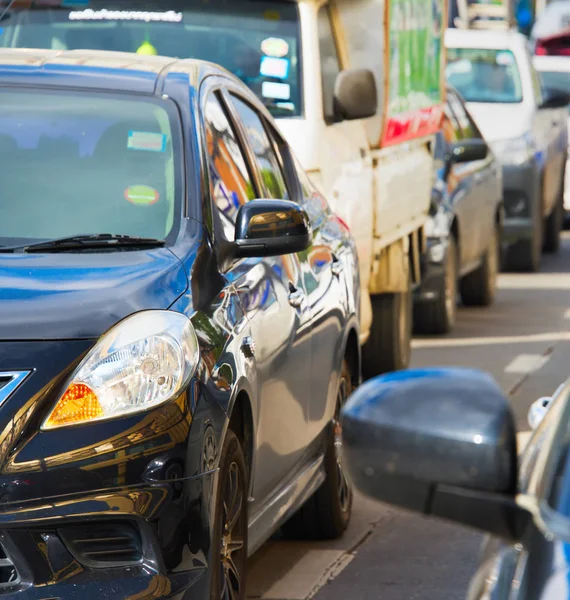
x,y
452,129
330,65
263,149
231,183
468,130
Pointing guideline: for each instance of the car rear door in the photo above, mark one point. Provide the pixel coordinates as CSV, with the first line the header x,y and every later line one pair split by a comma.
x,y
276,304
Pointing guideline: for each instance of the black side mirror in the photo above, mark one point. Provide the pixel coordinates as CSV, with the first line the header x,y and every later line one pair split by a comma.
x,y
468,151
555,99
440,442
271,228
355,95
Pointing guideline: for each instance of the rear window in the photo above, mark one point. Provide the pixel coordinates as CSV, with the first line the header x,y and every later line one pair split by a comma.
x,y
75,164
484,75
258,41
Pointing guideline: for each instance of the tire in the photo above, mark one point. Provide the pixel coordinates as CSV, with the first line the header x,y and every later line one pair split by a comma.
x,y
229,543
326,515
553,227
478,288
389,346
525,255
439,316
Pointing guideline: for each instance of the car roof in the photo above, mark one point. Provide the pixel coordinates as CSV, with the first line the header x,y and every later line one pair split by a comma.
x,y
484,39
559,64
99,69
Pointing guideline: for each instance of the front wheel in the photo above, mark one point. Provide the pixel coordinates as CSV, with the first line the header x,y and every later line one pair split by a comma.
x,y
229,545
327,513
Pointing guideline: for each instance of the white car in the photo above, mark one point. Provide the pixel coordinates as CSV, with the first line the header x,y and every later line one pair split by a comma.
x,y
526,125
555,73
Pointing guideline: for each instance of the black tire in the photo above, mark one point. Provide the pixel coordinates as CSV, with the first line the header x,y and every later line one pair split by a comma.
x,y
553,227
478,288
439,316
390,343
525,255
229,542
326,515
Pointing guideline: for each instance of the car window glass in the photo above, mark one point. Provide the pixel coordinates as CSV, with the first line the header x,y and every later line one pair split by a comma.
x,y
536,82
263,150
230,181
451,128
467,129
313,202
87,163
330,66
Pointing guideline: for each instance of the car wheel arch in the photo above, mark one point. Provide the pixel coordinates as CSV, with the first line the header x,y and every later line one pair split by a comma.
x,y
242,424
352,353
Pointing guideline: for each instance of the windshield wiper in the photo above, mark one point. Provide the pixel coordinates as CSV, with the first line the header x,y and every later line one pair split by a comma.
x,y
86,242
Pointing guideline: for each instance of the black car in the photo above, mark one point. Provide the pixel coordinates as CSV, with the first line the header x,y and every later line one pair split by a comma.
x,y
443,442
178,330
464,228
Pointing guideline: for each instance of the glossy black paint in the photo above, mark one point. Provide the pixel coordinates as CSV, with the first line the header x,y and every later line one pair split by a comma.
x,y
272,334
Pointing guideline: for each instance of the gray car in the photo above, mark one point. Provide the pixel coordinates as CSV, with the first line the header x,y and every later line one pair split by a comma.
x,y
526,125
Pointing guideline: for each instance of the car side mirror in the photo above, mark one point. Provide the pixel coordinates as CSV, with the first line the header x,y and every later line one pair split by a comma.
x,y
355,95
271,228
440,442
554,98
468,151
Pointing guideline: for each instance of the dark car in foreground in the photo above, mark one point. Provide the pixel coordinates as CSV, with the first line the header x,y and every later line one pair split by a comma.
x,y
178,331
464,229
442,442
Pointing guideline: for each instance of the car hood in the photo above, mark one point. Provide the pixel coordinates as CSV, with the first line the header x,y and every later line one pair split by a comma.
x,y
79,296
501,121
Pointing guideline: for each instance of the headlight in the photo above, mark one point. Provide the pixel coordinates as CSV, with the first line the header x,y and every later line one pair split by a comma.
x,y
515,151
143,361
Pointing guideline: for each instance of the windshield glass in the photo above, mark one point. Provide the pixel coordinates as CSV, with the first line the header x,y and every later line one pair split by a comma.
x,y
75,164
557,80
257,41
484,75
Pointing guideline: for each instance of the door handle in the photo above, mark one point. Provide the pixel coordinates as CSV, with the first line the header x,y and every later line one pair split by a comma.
x,y
336,267
296,296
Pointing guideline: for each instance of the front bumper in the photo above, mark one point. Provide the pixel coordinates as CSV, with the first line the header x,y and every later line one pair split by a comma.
x,y
521,195
432,282
117,544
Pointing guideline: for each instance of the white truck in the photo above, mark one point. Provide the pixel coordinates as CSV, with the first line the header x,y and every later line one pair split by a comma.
x,y
377,171
358,90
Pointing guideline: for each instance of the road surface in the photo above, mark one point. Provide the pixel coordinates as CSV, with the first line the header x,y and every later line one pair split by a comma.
x,y
524,342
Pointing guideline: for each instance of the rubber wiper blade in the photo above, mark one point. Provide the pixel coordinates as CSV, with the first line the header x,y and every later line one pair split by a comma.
x,y
80,242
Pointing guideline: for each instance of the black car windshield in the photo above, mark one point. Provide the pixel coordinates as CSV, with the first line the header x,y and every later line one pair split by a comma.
x,y
484,75
85,163
256,40
556,80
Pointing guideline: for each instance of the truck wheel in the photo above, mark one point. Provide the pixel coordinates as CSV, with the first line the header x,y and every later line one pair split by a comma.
x,y
389,346
554,223
438,317
326,515
478,288
525,255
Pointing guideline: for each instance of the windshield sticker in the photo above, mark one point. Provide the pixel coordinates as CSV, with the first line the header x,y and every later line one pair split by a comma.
x,y
89,14
275,47
274,67
505,58
143,140
276,91
142,195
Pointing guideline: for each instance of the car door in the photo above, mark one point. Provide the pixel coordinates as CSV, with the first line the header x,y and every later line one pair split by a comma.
x,y
275,303
486,192
463,193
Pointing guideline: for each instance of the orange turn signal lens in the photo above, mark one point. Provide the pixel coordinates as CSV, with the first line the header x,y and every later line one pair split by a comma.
x,y
77,405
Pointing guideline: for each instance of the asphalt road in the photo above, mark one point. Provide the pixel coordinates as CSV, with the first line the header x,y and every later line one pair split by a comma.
x,y
524,342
